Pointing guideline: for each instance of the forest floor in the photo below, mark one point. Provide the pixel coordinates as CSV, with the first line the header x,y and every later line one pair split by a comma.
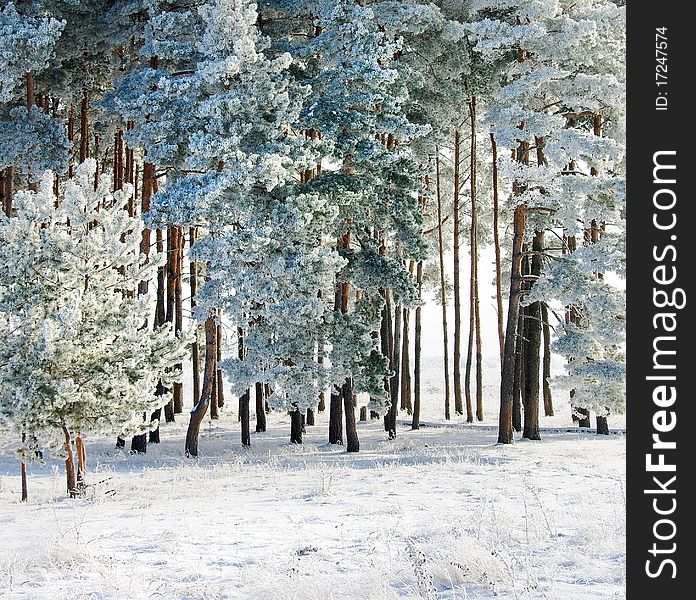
x,y
439,513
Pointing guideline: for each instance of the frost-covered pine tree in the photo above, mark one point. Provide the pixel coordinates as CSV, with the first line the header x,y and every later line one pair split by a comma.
x,y
560,108
75,360
30,140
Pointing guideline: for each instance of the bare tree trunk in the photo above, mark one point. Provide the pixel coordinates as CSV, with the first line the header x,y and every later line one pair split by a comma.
x,y
352,441
195,350
23,474
296,426
160,318
415,423
546,369
244,404
496,244
310,417
508,371
209,376
443,281
84,127
172,254
69,464
260,408
390,418
220,396
532,344
406,402
458,406
517,383
81,482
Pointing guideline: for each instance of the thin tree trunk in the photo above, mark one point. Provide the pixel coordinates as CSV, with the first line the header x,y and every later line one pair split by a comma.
x,y
220,396
474,259
390,418
260,408
160,318
546,369
517,383
178,390
195,349
496,244
458,405
415,423
532,343
508,371
70,475
84,127
443,281
209,376
172,254
23,474
244,416
406,402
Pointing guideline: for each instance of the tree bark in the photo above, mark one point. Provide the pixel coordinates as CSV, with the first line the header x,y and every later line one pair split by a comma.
x,y
496,244
209,376
220,392
443,281
352,441
517,383
546,368
244,406
296,426
508,371
80,480
532,343
260,408
84,127
458,406
415,423
390,418
406,401
70,476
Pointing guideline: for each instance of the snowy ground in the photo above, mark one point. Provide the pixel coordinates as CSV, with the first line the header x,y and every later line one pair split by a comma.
x,y
441,513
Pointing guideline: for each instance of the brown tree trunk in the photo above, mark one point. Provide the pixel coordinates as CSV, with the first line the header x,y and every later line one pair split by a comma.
x,y
244,416
219,387
532,345
496,244
546,368
406,401
352,441
84,127
172,255
508,371
517,383
390,418
443,281
195,349
69,464
458,406
209,376
80,481
415,423
260,408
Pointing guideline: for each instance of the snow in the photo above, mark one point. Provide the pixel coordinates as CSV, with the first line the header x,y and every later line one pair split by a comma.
x,y
441,513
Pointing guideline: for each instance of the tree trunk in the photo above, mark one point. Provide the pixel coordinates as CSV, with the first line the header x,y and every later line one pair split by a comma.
x,y
602,425
458,406
172,253
508,371
178,389
244,412
195,350
517,383
336,417
70,464
352,442
296,426
532,342
390,418
260,408
415,423
209,377
23,474
443,281
84,127
406,402
80,481
220,395
546,367
496,244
